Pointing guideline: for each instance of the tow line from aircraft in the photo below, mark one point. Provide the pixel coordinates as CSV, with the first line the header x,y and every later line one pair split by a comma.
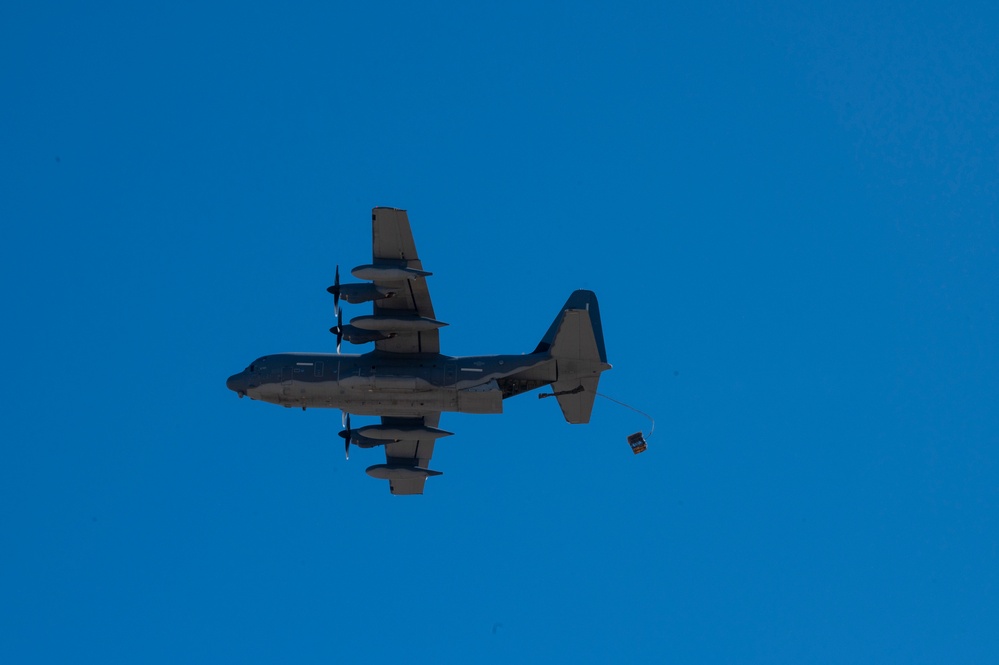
x,y
637,441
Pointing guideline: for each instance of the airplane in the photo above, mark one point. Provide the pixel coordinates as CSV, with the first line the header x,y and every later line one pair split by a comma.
x,y
406,380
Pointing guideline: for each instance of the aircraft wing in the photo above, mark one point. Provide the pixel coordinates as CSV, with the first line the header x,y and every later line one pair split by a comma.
x,y
414,453
392,242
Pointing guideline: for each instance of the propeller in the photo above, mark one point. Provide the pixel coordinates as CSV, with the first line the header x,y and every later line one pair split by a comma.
x,y
335,289
338,328
346,435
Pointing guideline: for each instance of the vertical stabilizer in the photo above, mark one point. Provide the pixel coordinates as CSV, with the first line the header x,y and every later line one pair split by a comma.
x,y
576,341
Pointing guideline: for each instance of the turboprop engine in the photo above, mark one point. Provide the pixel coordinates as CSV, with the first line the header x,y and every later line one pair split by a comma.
x,y
380,435
360,293
395,323
356,335
384,272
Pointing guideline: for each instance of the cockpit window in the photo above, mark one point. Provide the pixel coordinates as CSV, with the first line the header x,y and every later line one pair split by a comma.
x,y
252,368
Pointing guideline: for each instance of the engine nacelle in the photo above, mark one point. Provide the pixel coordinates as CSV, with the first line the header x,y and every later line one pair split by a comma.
x,y
359,293
356,335
399,472
404,323
371,436
388,433
362,441
381,272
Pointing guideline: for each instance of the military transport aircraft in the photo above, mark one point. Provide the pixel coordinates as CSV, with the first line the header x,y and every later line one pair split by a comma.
x,y
406,380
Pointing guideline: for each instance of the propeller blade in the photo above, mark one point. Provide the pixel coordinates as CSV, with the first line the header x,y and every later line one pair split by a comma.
x,y
339,328
346,436
336,288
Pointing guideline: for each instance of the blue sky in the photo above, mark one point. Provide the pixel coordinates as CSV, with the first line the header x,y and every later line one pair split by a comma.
x,y
788,214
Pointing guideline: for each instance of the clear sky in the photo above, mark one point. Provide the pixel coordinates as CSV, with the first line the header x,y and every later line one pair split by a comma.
x,y
789,215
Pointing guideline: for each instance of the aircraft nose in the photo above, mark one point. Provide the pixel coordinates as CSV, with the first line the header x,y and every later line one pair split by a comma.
x,y
237,384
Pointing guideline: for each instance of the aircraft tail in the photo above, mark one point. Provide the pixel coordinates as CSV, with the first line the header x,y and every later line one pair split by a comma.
x,y
575,340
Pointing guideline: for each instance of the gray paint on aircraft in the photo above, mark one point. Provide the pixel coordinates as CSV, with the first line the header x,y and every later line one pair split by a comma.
x,y
406,380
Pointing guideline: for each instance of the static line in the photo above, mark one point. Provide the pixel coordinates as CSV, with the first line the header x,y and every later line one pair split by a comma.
x,y
628,406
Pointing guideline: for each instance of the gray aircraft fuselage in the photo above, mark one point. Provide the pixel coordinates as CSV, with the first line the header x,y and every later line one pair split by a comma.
x,y
405,380
392,384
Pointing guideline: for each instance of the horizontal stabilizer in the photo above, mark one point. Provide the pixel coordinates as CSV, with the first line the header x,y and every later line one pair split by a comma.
x,y
576,404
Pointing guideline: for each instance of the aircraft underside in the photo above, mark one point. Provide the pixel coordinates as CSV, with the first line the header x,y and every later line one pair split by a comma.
x,y
406,380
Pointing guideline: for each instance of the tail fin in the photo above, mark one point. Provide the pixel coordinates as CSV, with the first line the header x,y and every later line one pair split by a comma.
x,y
576,341
579,300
